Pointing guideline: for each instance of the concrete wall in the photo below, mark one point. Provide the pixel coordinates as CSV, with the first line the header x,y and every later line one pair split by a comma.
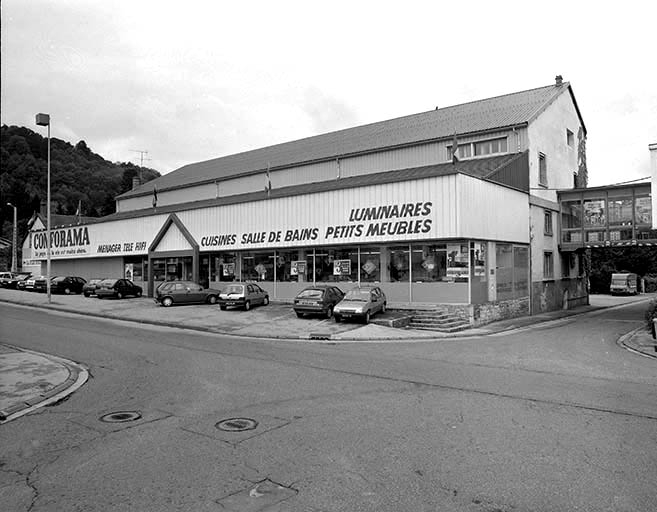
x,y
560,294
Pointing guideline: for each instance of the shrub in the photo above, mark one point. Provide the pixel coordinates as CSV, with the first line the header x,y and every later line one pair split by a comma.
x,y
651,312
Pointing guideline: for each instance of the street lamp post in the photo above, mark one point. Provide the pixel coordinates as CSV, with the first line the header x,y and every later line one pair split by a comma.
x,y
14,252
44,120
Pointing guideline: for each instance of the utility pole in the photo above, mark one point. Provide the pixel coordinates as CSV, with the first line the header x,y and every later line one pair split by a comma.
x,y
142,152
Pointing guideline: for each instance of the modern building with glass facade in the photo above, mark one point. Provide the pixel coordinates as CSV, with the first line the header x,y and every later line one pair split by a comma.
x,y
455,207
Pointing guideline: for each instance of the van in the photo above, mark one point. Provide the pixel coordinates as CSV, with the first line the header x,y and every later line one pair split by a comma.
x,y
623,283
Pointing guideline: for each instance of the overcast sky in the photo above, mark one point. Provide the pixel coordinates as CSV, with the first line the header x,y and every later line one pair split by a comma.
x,y
194,80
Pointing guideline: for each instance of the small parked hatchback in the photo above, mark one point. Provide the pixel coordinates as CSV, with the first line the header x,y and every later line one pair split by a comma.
x,y
317,300
361,303
184,292
242,295
91,286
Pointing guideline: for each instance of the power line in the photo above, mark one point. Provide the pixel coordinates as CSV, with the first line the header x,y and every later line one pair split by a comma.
x,y
142,152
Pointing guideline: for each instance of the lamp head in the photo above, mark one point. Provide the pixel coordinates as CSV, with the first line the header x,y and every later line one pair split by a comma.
x,y
43,119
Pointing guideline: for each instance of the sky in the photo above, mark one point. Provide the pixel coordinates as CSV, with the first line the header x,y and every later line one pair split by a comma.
x,y
195,80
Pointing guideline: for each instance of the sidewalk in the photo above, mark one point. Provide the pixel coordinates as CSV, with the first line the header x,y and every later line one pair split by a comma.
x,y
30,379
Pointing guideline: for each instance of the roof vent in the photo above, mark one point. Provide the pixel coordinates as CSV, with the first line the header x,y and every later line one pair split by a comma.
x,y
558,80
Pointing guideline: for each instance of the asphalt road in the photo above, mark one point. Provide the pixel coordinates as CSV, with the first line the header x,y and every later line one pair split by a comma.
x,y
558,418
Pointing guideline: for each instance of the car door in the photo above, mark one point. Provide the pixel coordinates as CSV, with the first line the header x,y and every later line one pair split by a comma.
x,y
377,297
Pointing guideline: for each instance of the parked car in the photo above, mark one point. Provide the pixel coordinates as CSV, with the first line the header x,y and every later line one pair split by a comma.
x,y
118,288
184,292
319,299
362,303
5,277
67,284
36,284
12,282
91,286
242,295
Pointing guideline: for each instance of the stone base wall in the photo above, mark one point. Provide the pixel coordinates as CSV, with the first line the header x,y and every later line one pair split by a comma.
x,y
499,310
562,294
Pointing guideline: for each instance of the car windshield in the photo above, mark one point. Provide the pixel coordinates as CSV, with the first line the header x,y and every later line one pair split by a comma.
x,y
108,282
362,295
234,288
57,279
311,294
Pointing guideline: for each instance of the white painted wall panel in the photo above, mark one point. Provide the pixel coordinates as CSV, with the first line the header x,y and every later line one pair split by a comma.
x,y
173,240
492,212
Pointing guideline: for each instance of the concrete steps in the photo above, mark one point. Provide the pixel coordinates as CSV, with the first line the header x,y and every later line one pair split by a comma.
x,y
437,320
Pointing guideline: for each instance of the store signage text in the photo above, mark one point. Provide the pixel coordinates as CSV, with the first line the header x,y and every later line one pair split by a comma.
x,y
62,238
374,221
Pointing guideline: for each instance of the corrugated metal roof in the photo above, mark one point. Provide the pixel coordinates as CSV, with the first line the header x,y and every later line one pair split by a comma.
x,y
479,168
483,115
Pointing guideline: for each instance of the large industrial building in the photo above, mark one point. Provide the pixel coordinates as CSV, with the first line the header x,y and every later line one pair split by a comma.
x,y
455,207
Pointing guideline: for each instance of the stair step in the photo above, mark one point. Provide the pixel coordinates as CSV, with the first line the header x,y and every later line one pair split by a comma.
x,y
441,329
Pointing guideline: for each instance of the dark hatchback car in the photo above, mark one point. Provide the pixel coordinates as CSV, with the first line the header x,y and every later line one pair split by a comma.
x,y
118,288
184,292
318,300
67,284
91,286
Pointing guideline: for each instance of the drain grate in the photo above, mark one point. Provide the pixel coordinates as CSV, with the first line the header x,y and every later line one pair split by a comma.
x,y
120,417
237,424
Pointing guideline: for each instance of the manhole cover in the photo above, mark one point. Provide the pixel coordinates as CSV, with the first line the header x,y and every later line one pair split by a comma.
x,y
120,416
237,424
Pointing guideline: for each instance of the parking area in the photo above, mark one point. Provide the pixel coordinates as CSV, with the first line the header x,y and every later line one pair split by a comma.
x,y
277,320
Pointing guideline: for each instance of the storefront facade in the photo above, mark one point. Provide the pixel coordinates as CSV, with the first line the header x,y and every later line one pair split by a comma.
x,y
387,203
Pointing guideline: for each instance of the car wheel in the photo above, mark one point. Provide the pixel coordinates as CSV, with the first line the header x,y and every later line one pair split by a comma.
x,y
247,305
167,301
212,299
329,312
299,314
87,294
366,318
119,295
265,302
223,308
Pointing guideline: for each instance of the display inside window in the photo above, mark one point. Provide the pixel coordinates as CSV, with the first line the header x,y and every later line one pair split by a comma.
x,y
643,210
479,257
370,264
457,262
336,264
258,266
571,214
398,264
429,263
620,211
594,213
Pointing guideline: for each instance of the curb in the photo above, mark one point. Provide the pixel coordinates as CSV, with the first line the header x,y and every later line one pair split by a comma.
x,y
77,376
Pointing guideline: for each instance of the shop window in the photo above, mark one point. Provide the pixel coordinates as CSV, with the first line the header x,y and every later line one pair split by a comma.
x,y
294,266
512,271
370,264
258,266
643,210
547,229
548,265
135,268
398,264
429,263
620,211
542,170
335,265
571,214
224,267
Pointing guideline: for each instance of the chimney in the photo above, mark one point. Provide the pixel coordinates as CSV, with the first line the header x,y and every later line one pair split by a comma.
x,y
135,182
558,80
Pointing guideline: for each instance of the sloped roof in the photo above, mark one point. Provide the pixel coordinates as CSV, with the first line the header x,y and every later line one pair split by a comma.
x,y
57,220
479,168
478,116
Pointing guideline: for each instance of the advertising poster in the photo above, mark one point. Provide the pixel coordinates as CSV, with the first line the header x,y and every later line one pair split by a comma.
x,y
457,262
229,269
480,259
129,271
594,213
643,210
341,267
298,268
